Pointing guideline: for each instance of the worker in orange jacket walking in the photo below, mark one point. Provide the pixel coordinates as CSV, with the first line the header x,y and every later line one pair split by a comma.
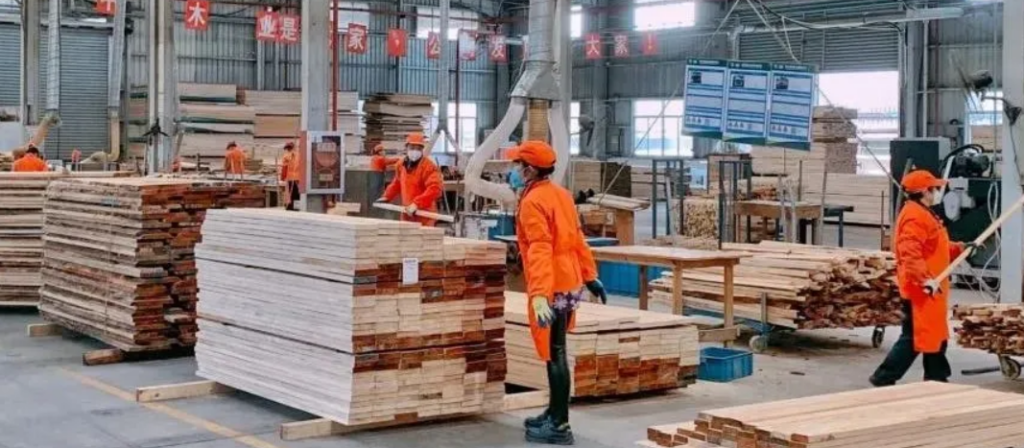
x,y
30,162
234,160
923,250
417,181
290,175
557,264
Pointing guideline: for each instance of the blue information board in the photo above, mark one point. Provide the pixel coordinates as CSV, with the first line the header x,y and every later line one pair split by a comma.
x,y
705,97
746,107
792,103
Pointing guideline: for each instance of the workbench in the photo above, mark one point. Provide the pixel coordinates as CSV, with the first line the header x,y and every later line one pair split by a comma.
x,y
806,214
679,259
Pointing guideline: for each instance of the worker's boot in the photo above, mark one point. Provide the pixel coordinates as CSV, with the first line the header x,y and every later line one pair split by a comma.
x,y
537,421
551,433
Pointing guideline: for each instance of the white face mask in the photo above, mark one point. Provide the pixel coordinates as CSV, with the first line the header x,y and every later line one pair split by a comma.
x,y
415,155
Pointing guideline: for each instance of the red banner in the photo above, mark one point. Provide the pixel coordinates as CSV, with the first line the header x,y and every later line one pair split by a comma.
x,y
467,45
289,29
397,42
197,15
650,45
355,40
592,46
621,45
267,24
497,49
433,45
106,7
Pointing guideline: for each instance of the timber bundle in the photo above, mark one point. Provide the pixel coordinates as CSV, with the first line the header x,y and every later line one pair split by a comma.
x,y
996,328
807,287
352,319
119,263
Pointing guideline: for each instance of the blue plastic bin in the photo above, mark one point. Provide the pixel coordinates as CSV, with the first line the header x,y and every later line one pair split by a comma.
x,y
623,278
723,365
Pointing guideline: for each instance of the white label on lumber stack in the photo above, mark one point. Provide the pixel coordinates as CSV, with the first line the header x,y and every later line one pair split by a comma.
x,y
410,271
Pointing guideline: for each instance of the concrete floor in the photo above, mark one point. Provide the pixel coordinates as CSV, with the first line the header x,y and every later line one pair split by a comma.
x,y
49,400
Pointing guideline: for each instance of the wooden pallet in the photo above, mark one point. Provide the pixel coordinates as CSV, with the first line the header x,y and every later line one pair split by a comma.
x,y
107,355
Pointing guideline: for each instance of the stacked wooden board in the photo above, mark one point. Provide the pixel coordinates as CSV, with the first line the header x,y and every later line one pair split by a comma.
x,y
278,120
611,351
995,328
601,177
920,415
700,216
355,320
390,117
991,137
807,287
641,182
831,148
869,195
119,263
21,232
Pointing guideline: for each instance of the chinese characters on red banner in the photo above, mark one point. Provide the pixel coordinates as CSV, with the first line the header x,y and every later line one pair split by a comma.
x,y
592,46
106,7
355,41
289,30
275,27
621,45
433,45
650,45
197,15
497,49
397,40
266,25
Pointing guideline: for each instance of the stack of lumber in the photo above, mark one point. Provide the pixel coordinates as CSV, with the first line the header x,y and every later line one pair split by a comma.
x,y
714,166
611,351
601,177
996,328
352,319
119,263
641,182
619,202
390,117
700,215
919,415
831,149
21,232
682,242
869,195
807,287
988,136
279,115
210,117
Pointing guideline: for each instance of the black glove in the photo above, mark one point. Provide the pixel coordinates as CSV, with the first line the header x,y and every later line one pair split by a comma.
x,y
597,289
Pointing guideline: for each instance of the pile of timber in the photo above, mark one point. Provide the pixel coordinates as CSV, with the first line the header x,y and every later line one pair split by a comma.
x,y
807,287
642,182
352,319
21,232
619,203
390,117
831,148
700,220
995,328
991,137
119,263
919,415
682,242
279,115
611,351
601,177
869,195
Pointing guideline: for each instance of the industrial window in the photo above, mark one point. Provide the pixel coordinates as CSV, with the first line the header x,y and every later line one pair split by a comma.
x,y
429,19
352,12
665,138
986,112
876,96
576,21
467,127
574,128
662,14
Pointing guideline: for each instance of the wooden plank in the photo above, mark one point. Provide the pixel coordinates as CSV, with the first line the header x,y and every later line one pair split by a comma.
x,y
43,330
167,392
322,427
103,357
526,400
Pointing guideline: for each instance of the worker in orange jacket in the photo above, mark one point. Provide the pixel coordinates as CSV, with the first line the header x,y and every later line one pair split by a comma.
x,y
557,264
234,160
380,162
923,250
290,175
30,162
417,181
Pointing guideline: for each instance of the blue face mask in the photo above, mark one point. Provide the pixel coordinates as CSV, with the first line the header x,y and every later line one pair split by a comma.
x,y
515,180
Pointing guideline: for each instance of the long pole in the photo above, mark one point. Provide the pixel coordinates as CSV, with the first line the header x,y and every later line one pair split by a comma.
x,y
1009,213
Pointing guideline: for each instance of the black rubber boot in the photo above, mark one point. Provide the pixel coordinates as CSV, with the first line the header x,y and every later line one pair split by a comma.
x,y
550,434
537,421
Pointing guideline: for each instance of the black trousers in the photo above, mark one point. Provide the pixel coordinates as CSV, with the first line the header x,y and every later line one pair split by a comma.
x,y
559,377
293,195
902,356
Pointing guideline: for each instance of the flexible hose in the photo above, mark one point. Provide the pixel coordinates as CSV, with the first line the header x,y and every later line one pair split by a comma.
x,y
475,184
559,141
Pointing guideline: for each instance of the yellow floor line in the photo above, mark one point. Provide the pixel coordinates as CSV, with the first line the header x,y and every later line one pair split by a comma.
x,y
176,414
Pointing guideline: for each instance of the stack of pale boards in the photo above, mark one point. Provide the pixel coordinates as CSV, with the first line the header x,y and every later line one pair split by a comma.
x,y
993,327
920,415
390,117
118,261
21,232
611,351
807,287
356,320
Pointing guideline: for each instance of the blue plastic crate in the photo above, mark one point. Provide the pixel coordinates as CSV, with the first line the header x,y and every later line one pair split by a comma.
x,y
623,278
723,365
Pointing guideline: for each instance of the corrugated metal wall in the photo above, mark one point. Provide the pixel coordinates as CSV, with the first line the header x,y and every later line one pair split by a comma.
x,y
10,74
837,50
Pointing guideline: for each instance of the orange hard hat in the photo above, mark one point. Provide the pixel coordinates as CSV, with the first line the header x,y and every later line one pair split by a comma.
x,y
920,181
534,153
415,138
379,148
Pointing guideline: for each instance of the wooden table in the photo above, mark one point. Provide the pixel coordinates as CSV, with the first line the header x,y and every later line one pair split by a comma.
x,y
806,213
678,259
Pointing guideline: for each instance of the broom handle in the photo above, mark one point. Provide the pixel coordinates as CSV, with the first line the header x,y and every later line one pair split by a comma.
x,y
420,213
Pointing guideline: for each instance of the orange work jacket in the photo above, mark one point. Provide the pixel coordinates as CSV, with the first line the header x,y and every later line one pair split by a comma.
x,y
380,164
556,257
234,161
290,166
29,164
420,185
923,251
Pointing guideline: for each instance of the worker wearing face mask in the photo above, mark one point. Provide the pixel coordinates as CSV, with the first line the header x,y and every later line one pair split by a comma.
x,y
923,250
417,181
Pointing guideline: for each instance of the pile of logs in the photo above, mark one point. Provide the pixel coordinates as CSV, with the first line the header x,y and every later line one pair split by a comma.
x,y
995,328
352,319
919,415
807,287
611,351
21,233
119,263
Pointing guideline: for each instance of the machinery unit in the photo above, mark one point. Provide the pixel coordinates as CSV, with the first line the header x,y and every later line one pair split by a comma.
x,y
971,199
